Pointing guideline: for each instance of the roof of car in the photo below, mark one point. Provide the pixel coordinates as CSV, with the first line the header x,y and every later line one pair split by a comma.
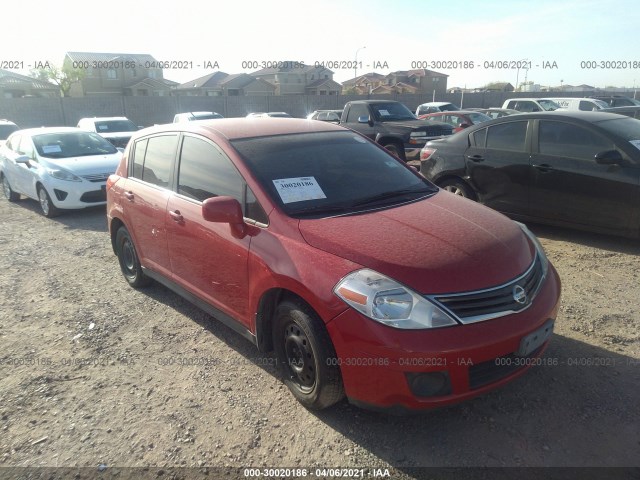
x,y
454,112
235,128
435,104
44,130
587,116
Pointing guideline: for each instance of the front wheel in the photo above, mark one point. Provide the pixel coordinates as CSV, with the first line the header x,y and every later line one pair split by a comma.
x,y
46,205
458,187
395,150
8,192
306,356
128,258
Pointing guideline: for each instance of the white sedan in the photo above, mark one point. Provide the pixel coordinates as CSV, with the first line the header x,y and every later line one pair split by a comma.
x,y
61,167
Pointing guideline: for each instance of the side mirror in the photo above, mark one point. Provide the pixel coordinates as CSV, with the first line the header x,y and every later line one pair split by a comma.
x,y
463,125
609,157
364,119
140,127
23,159
225,210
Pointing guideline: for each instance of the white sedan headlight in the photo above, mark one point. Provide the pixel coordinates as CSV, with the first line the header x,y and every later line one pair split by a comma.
x,y
62,174
390,303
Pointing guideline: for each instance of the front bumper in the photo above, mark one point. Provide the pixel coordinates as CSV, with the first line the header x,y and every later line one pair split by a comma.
x,y
76,195
379,362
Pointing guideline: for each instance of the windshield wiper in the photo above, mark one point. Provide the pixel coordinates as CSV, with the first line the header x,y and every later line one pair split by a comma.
x,y
319,209
388,195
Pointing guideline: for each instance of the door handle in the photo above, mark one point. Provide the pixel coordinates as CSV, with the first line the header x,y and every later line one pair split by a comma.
x,y
129,196
176,216
475,158
544,167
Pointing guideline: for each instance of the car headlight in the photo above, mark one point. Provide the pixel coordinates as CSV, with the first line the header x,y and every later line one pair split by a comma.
x,y
62,174
544,261
390,303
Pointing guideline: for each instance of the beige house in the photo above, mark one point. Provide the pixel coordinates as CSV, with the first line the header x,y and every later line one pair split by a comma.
x,y
221,84
423,80
295,78
364,84
121,74
14,85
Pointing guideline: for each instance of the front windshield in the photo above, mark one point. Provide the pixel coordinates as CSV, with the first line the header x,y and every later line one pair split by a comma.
x,y
6,130
72,144
548,105
113,126
449,107
208,116
329,173
391,111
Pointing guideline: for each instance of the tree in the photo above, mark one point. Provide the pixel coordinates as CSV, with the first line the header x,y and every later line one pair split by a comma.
x,y
64,77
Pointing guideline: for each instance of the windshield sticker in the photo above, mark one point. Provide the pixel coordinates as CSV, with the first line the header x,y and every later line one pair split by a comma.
x,y
360,139
384,113
392,164
635,143
103,127
298,189
51,149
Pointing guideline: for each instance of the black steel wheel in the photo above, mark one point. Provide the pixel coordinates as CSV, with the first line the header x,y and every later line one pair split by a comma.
x,y
128,258
306,356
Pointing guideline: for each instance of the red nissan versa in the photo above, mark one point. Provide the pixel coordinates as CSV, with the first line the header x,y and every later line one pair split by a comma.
x,y
310,240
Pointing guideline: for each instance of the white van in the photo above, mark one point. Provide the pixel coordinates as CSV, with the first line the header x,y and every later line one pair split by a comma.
x,y
585,104
530,104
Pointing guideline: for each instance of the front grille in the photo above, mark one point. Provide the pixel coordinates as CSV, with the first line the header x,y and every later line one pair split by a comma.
x,y
438,130
94,196
493,370
511,297
98,177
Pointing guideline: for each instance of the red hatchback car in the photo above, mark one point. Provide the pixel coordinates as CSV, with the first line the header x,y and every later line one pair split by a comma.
x,y
312,241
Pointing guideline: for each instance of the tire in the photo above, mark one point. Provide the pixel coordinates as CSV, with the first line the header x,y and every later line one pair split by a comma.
x,y
305,353
128,259
395,150
458,187
49,210
9,194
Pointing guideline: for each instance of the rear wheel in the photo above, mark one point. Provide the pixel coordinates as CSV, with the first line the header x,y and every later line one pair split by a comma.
x,y
46,205
458,187
306,356
8,192
128,258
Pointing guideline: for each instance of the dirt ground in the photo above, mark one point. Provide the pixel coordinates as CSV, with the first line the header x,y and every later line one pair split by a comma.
x,y
96,374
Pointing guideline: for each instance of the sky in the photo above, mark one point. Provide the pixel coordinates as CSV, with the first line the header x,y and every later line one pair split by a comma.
x,y
556,42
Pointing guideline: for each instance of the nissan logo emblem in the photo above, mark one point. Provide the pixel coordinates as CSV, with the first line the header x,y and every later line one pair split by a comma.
x,y
519,295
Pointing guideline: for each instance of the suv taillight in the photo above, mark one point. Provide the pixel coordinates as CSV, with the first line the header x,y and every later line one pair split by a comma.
x,y
426,152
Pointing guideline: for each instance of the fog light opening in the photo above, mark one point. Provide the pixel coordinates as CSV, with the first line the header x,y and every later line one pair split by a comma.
x,y
431,384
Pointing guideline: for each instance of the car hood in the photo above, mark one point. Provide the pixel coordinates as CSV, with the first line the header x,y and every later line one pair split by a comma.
x,y
89,165
442,244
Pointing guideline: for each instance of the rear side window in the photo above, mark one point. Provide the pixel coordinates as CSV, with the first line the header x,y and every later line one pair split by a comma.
x,y
479,137
507,136
153,158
